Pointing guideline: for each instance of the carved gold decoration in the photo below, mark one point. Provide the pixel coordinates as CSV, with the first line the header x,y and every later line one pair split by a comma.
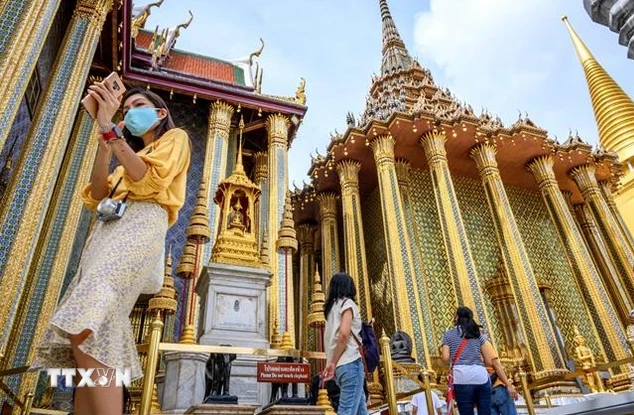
x,y
316,317
585,358
236,196
259,177
186,265
165,299
138,21
329,235
606,188
198,230
300,94
545,357
356,265
276,341
287,341
323,401
264,252
287,243
603,314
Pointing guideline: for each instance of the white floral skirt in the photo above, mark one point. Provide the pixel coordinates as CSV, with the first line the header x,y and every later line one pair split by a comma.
x,y
122,259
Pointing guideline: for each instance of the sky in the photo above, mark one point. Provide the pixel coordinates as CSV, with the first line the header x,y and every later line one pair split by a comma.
x,y
502,55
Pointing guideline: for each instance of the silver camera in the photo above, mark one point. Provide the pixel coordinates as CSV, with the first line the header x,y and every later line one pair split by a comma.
x,y
109,209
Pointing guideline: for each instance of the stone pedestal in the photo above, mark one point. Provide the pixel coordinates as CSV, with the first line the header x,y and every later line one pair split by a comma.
x,y
233,312
293,410
209,409
184,384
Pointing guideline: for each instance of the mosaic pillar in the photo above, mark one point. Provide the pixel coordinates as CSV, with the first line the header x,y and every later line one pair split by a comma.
x,y
460,259
24,25
606,188
53,251
306,238
544,354
600,257
609,270
356,264
30,190
277,127
399,249
609,330
215,165
330,260
260,179
610,230
430,335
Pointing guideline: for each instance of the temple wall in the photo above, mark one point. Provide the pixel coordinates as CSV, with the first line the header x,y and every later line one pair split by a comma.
x,y
376,254
540,238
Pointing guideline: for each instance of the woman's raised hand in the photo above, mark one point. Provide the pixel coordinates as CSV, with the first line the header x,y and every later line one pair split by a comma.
x,y
107,101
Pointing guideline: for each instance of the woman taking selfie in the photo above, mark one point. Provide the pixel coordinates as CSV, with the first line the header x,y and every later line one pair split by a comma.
x,y
343,358
124,253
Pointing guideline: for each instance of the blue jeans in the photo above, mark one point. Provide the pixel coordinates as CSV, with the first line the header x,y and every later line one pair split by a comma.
x,y
349,378
501,402
468,396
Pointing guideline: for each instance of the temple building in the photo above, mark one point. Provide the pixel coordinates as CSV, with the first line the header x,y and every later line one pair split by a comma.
x,y
429,206
426,204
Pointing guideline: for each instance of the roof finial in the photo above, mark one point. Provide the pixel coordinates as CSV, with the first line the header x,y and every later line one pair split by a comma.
x,y
613,108
395,55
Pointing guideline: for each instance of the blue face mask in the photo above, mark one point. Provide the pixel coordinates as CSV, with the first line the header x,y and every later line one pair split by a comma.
x,y
139,120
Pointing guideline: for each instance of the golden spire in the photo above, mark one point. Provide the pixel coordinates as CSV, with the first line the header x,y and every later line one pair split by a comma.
x,y
198,230
287,236
166,298
613,109
316,316
395,55
185,268
264,249
275,336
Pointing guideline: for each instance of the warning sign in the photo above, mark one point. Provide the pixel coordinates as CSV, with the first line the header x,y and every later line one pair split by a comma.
x,y
283,372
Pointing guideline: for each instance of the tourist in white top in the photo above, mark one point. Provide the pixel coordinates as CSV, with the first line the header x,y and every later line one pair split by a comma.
x,y
419,403
343,359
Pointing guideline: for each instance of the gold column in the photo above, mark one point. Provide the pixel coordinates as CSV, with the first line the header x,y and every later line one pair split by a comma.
x,y
609,331
287,244
306,237
544,355
277,127
53,250
598,208
460,259
606,188
429,332
260,179
399,249
25,25
215,164
29,191
356,265
330,260
609,272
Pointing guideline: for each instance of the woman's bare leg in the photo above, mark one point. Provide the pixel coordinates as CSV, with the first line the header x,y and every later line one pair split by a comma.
x,y
101,400
82,400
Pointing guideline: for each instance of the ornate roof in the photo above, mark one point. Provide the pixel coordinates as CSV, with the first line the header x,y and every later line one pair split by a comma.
x,y
193,64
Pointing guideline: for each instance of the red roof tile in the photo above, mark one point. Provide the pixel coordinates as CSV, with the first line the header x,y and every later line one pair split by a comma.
x,y
196,65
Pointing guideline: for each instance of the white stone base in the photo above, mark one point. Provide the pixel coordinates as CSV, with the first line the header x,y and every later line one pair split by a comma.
x,y
184,381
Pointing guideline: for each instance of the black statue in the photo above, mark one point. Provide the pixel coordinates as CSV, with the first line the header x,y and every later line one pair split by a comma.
x,y
218,377
282,388
401,347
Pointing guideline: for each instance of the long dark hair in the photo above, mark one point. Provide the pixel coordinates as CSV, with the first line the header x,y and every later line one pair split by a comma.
x,y
464,319
166,124
341,286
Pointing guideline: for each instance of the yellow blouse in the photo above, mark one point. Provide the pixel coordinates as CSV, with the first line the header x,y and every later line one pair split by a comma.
x,y
164,182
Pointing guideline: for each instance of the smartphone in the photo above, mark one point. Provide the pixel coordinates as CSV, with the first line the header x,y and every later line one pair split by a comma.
x,y
91,104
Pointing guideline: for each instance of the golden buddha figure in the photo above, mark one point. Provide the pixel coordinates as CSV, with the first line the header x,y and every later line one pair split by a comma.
x,y
236,217
585,358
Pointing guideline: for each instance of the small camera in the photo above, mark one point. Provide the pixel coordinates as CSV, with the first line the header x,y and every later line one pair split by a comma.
x,y
109,209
